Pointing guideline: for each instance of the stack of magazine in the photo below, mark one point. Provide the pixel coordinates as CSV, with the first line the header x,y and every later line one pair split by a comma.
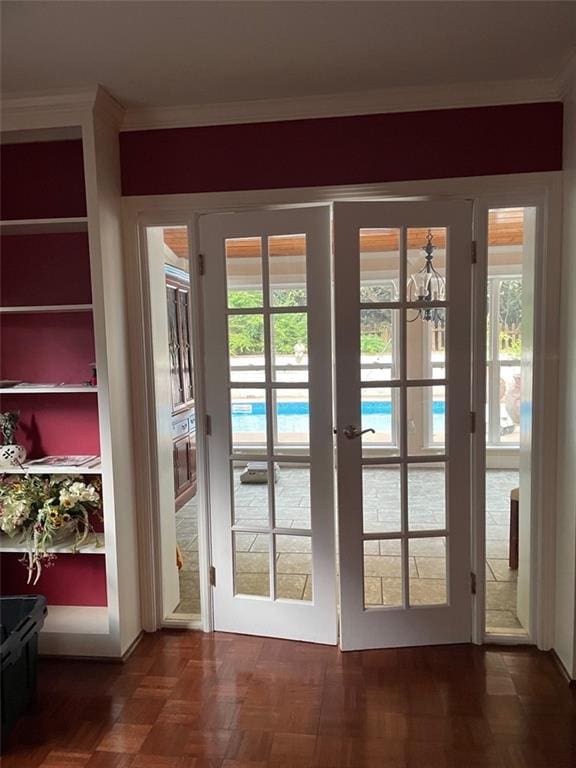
x,y
74,462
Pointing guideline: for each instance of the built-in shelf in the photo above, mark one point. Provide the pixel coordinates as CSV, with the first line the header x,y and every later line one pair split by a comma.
x,y
46,308
34,469
94,545
76,619
43,226
56,390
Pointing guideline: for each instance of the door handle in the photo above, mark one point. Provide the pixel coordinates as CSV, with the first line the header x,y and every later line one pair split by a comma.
x,y
352,431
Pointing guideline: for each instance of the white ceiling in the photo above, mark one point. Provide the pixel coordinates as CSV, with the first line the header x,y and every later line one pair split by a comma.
x,y
166,53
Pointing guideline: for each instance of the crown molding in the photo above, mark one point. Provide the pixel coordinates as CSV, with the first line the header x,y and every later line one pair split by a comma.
x,y
345,104
67,107
568,76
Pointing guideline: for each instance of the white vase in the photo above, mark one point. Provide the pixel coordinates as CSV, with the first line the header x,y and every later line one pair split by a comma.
x,y
12,455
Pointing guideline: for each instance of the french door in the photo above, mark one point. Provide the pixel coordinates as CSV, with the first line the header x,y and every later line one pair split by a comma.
x,y
269,396
397,346
402,276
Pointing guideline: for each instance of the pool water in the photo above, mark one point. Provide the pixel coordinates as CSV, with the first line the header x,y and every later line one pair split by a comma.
x,y
294,416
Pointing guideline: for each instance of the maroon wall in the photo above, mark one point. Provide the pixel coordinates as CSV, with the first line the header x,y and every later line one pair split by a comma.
x,y
344,150
72,580
42,180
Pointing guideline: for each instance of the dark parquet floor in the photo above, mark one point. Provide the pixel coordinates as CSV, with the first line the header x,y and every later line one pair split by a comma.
x,y
190,700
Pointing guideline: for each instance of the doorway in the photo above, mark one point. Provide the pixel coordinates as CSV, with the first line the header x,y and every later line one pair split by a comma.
x,y
499,192
401,282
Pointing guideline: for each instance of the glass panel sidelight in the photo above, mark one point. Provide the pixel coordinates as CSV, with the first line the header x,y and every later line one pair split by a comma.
x,y
379,265
287,270
426,345
509,372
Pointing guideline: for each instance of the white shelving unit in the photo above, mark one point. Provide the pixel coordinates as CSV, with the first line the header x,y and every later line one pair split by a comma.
x,y
94,545
43,226
81,621
34,469
61,308
94,117
55,390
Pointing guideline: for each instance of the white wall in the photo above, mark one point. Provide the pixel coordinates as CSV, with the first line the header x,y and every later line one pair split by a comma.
x,y
565,608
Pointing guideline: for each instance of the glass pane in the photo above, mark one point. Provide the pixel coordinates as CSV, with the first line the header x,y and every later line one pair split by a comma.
x,y
251,568
426,415
292,496
379,406
294,567
379,355
246,347
287,270
289,347
383,574
248,418
379,265
250,502
381,493
426,267
291,413
426,345
426,497
428,580
510,398
244,272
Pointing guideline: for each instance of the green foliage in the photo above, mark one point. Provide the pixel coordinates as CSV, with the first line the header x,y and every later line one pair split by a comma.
x,y
372,344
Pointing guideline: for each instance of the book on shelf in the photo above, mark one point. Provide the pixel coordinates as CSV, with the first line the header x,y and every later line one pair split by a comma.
x,y
81,462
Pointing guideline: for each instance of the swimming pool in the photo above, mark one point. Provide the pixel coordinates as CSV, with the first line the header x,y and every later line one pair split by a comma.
x,y
293,416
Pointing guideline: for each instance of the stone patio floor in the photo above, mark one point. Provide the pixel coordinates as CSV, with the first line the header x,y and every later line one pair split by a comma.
x,y
382,558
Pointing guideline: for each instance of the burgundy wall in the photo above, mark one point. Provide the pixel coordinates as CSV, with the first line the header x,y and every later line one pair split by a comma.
x,y
42,180
61,424
344,150
72,580
45,269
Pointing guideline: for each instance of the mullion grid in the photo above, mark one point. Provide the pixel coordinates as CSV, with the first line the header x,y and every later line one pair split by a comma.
x,y
401,386
270,387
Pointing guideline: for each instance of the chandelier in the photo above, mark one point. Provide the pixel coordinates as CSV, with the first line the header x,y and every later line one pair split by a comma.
x,y
427,285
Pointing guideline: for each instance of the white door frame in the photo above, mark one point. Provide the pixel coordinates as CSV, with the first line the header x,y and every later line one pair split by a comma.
x,y
540,189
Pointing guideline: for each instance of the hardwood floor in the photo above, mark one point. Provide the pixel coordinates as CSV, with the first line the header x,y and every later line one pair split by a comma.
x,y
190,700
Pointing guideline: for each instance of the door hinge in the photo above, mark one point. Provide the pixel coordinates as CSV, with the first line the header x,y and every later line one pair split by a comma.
x,y
472,422
212,576
473,583
474,252
201,266
208,424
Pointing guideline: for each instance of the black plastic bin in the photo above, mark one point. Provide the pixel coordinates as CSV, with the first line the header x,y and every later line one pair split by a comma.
x,y
21,619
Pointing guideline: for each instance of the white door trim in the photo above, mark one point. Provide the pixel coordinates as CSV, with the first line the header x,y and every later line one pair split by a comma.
x,y
487,191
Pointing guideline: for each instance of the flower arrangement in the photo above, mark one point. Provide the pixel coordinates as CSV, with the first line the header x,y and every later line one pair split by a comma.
x,y
40,510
